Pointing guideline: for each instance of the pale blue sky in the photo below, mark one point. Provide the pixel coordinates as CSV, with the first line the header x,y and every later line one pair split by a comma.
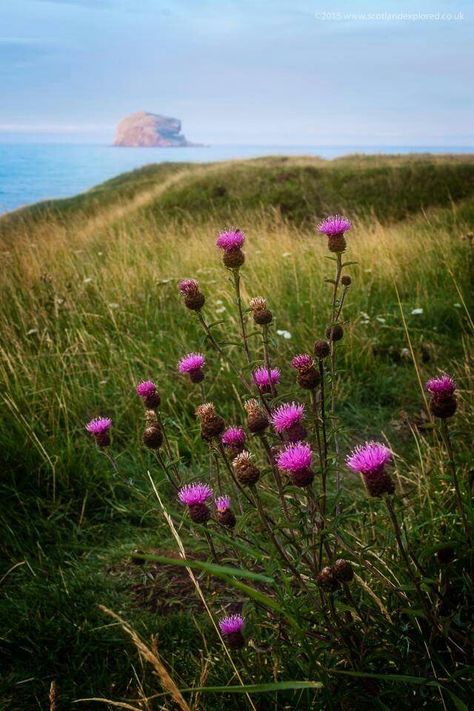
x,y
240,71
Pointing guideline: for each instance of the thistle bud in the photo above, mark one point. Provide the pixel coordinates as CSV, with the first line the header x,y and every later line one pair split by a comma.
x,y
326,579
99,428
261,314
443,403
343,571
335,332
232,630
231,243
257,420
194,496
334,228
369,460
308,377
193,298
322,349
211,424
153,433
146,389
225,515
346,280
246,472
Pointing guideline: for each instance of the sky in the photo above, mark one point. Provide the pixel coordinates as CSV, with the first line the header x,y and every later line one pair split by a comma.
x,y
263,72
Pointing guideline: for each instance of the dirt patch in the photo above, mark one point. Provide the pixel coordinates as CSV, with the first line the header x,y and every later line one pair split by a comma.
x,y
167,589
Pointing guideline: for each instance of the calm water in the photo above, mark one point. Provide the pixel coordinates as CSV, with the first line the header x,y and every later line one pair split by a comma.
x,y
33,172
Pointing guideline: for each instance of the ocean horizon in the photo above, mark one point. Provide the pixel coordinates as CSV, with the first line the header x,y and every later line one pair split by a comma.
x,y
32,172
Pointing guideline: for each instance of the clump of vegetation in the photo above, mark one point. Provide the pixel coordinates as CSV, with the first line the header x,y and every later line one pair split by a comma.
x,y
320,611
89,307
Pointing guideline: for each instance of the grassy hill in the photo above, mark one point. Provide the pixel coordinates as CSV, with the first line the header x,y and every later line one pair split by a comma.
x,y
89,306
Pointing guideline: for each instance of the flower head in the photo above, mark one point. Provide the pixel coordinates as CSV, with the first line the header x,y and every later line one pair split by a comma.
x,y
192,494
334,225
265,378
223,503
444,386
146,388
190,362
287,416
234,437
188,287
302,362
295,457
230,240
368,458
99,426
231,624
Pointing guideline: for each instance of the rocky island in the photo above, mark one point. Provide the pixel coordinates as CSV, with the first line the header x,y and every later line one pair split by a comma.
x,y
144,129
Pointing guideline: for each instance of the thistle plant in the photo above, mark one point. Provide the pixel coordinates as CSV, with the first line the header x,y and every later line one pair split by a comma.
x,y
279,465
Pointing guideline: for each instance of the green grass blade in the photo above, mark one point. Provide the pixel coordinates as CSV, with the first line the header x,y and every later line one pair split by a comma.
x,y
212,568
257,688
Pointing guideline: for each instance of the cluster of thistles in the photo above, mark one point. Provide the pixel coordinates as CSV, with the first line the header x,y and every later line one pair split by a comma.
x,y
196,497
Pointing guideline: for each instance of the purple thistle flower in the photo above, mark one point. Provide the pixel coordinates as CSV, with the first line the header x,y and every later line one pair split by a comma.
x,y
334,225
192,494
302,362
286,416
369,458
264,379
441,387
223,504
230,240
234,437
191,362
231,624
188,287
295,458
146,389
99,426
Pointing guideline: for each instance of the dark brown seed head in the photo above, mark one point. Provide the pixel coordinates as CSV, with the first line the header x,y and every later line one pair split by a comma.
x,y
346,280
233,258
245,470
196,376
257,420
103,439
443,407
326,579
153,437
302,478
211,424
152,402
235,640
199,513
322,349
261,313
309,379
226,518
343,571
378,483
337,243
335,333
195,302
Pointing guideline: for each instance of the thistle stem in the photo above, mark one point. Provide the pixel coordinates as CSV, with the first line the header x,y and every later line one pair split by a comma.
x,y
457,488
266,356
236,275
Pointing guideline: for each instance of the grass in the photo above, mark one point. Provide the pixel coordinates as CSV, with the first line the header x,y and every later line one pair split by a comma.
x,y
89,306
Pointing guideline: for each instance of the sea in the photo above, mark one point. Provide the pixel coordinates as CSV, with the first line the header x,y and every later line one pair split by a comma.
x,y
31,172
